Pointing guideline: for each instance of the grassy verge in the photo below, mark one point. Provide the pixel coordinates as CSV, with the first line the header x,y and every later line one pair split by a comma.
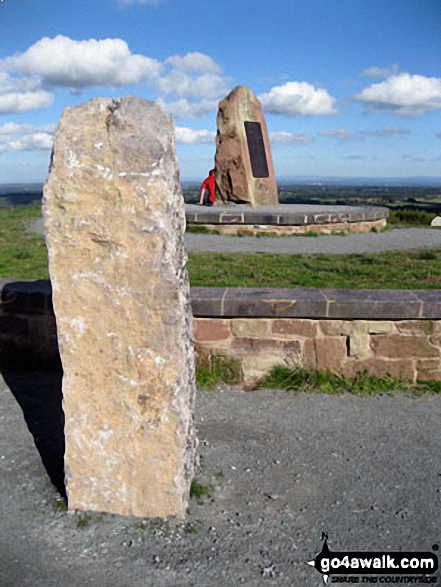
x,y
391,270
218,370
298,380
23,254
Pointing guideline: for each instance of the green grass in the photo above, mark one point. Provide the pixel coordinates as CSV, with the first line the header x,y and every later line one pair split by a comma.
x,y
391,270
23,254
218,370
298,379
410,217
198,490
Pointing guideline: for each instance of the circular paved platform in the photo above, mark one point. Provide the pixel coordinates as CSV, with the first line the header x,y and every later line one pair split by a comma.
x,y
287,218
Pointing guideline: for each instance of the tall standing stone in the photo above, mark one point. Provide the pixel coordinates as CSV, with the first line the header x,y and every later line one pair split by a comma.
x,y
244,165
114,217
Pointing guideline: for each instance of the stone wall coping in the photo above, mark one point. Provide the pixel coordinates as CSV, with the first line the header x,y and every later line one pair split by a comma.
x,y
283,215
220,302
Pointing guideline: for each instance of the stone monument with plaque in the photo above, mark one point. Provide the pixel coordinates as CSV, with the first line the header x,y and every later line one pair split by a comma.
x,y
243,161
115,222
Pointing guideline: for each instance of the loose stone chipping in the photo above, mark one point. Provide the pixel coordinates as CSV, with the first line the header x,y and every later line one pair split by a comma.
x,y
115,221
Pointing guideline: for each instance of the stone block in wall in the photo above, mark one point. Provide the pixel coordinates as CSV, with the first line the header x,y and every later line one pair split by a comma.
x,y
290,327
380,327
205,330
331,353
309,355
358,339
428,369
250,328
400,368
335,327
415,327
262,345
397,347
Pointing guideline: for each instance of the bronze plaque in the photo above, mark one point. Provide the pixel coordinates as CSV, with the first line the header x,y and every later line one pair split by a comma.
x,y
256,149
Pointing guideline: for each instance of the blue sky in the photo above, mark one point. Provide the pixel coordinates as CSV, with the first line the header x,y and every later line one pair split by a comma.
x,y
349,87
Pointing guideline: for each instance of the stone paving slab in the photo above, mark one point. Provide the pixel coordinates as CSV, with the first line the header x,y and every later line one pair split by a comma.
x,y
380,304
284,214
345,304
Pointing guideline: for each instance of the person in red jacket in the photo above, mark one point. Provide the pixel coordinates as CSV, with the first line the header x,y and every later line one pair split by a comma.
x,y
208,189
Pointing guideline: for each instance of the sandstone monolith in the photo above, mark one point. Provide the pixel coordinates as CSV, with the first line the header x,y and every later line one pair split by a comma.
x,y
243,161
114,217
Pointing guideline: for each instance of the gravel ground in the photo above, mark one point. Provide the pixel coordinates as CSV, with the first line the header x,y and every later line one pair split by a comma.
x,y
394,240
282,468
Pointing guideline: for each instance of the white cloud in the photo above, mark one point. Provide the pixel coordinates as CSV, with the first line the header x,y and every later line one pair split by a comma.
x,y
198,62
381,72
64,62
180,83
19,95
190,136
20,102
183,108
403,94
340,134
290,138
298,98
25,137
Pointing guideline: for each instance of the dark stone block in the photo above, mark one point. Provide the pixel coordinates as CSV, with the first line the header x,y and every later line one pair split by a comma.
x,y
293,219
207,301
321,219
207,217
259,218
191,217
272,303
230,218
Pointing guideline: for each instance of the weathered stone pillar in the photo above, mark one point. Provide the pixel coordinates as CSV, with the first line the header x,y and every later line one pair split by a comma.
x,y
115,222
244,165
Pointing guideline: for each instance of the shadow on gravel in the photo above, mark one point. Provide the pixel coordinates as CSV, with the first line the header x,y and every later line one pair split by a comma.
x,y
33,375
39,396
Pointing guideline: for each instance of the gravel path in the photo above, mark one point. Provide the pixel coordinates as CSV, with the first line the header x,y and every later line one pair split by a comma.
x,y
282,468
394,240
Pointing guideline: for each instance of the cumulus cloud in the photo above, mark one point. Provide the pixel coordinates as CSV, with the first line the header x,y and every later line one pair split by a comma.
x,y
381,72
20,102
25,137
180,83
290,138
198,62
190,136
64,62
183,108
403,94
298,98
340,134
192,82
19,95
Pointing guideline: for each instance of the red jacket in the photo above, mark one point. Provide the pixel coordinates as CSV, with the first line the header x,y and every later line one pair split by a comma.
x,y
210,184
